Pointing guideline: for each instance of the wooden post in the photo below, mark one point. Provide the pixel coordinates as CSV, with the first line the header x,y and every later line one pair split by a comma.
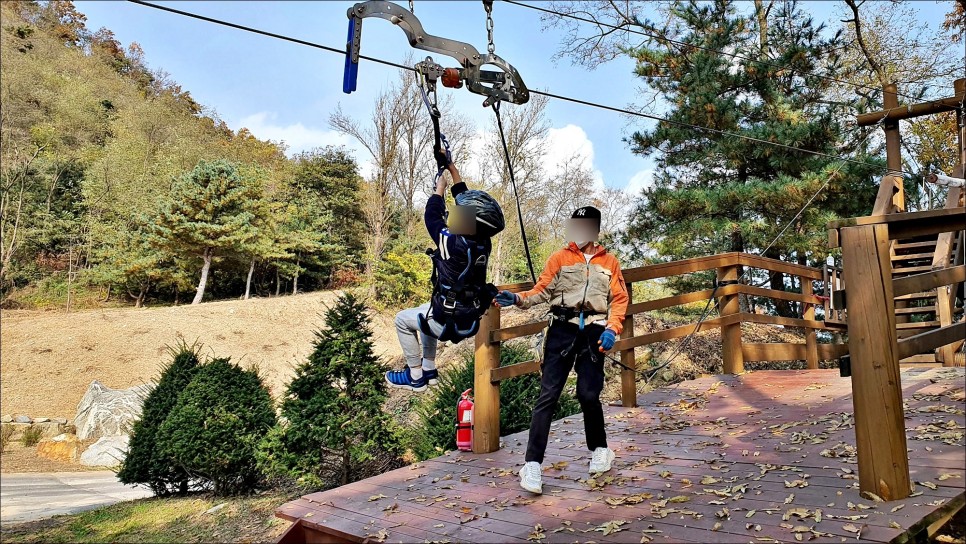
x,y
486,394
734,362
811,342
876,388
628,377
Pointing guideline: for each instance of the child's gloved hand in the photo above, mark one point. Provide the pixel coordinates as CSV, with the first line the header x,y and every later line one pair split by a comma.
x,y
443,157
607,339
506,298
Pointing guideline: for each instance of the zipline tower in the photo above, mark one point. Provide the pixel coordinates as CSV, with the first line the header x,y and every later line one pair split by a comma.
x,y
881,280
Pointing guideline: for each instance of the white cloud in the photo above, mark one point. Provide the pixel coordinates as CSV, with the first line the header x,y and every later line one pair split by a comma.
x,y
567,142
298,137
639,181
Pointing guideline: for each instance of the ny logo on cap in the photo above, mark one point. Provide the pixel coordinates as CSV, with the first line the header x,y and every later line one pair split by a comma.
x,y
582,211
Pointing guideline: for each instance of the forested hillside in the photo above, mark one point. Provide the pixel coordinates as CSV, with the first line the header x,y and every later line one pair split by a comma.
x,y
100,190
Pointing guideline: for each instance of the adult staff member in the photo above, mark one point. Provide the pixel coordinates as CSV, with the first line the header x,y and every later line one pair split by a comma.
x,y
588,299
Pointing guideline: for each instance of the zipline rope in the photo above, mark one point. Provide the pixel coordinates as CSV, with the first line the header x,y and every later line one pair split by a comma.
x,y
547,94
509,167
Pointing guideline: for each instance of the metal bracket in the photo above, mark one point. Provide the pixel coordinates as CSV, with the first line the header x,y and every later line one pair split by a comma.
x,y
507,85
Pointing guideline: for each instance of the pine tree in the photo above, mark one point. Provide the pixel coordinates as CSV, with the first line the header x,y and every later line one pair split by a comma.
x,y
209,210
145,463
337,431
714,192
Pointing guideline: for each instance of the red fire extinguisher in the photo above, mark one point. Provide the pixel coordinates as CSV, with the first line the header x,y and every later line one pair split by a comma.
x,y
464,422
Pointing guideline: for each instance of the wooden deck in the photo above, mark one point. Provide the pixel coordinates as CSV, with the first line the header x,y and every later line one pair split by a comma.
x,y
761,457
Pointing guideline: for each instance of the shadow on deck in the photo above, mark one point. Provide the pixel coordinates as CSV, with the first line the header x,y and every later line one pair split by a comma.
x,y
761,457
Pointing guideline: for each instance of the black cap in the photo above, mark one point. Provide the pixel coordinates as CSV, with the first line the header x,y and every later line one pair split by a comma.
x,y
586,212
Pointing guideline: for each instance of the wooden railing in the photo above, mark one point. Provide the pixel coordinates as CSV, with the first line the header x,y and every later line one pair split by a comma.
x,y
874,347
728,268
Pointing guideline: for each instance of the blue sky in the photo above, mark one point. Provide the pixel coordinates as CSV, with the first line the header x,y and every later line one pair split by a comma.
x,y
285,91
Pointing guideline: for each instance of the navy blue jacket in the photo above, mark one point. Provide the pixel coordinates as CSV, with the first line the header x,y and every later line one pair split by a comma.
x,y
452,247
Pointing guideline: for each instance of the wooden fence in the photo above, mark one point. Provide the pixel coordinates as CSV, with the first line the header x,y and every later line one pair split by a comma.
x,y
728,267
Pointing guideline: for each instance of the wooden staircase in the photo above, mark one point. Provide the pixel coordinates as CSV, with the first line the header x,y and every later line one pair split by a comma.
x,y
919,312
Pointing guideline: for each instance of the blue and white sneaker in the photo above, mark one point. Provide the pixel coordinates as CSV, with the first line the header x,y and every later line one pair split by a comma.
x,y
402,379
432,376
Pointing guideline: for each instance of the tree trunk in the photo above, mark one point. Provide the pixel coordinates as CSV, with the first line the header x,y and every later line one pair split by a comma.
x,y
248,282
278,283
139,302
776,281
204,276
295,277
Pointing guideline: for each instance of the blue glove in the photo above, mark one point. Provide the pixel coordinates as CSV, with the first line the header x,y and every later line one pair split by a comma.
x,y
607,340
506,298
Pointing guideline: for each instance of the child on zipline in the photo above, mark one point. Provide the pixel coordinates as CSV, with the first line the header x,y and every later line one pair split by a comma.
x,y
460,292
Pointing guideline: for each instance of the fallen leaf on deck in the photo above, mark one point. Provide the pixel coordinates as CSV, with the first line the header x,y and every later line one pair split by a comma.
x,y
377,497
708,480
716,526
796,483
560,465
790,498
750,513
381,536
850,528
895,525
392,508
871,496
611,527
897,508
679,498
946,476
537,533
930,485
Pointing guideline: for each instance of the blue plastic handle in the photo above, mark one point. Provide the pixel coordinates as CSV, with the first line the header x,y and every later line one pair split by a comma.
x,y
351,68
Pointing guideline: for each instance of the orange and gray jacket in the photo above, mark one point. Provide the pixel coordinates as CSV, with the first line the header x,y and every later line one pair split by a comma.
x,y
596,287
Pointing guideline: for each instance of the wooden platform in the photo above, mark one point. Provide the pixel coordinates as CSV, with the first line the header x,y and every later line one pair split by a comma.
x,y
760,457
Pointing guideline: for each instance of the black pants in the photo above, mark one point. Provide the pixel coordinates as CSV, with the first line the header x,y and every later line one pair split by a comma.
x,y
566,347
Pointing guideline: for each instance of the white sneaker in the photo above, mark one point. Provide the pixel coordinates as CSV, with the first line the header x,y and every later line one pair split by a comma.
x,y
601,460
531,477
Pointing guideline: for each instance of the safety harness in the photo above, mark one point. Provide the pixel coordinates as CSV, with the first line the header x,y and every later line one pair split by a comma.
x,y
457,304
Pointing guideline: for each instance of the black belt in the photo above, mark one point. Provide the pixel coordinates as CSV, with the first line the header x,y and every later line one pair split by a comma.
x,y
567,313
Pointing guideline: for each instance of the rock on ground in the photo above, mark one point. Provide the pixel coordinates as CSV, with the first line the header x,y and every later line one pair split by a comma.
x,y
108,451
109,412
63,447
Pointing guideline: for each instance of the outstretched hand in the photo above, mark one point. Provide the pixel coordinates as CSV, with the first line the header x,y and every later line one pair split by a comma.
x,y
607,339
506,298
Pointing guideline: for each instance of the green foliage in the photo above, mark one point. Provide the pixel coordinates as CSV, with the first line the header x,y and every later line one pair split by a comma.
x,y
716,193
31,435
403,277
6,435
213,429
437,413
145,463
336,431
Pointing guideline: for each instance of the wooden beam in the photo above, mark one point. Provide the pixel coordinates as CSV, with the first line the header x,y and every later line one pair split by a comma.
x,y
669,334
930,340
517,331
811,342
945,298
876,385
829,352
910,224
677,300
731,333
486,394
773,352
497,375
791,352
774,265
949,103
927,281
781,295
629,377
676,268
779,320
516,287
889,186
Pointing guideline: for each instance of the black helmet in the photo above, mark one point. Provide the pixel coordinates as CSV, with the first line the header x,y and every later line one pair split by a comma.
x,y
489,215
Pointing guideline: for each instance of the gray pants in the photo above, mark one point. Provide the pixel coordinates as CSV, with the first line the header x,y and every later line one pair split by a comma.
x,y
410,336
